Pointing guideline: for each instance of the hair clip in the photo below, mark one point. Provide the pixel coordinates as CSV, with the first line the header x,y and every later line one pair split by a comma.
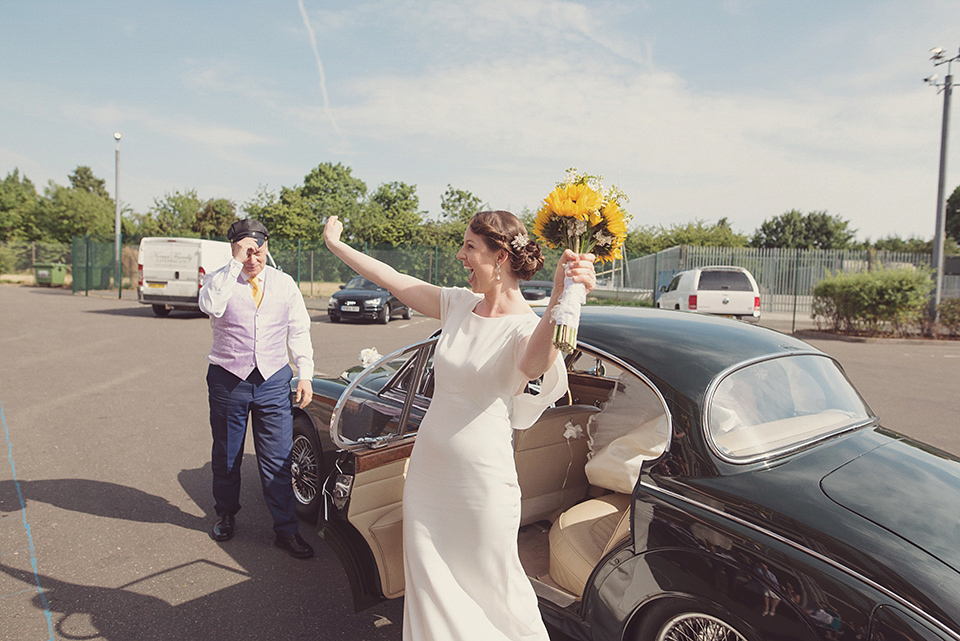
x,y
520,241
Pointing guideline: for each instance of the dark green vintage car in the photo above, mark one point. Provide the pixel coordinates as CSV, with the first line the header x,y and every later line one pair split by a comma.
x,y
702,479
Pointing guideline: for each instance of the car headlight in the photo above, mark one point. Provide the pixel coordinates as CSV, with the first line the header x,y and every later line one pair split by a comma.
x,y
373,302
332,302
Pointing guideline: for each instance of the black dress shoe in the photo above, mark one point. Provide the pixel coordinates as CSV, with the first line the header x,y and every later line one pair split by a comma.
x,y
294,545
223,528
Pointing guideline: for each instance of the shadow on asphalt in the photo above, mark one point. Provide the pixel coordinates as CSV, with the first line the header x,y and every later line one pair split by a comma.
x,y
147,312
262,594
98,498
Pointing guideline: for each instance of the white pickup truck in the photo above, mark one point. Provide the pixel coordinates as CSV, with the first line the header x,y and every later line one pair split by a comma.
x,y
720,290
171,271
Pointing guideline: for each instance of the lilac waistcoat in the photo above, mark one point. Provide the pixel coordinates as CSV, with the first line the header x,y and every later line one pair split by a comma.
x,y
245,337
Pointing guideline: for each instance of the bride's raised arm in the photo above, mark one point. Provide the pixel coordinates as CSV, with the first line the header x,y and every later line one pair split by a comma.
x,y
415,293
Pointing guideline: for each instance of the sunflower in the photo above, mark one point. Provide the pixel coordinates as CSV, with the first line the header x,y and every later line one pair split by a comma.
x,y
578,215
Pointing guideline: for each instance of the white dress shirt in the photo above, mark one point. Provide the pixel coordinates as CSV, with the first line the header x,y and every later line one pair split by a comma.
x,y
247,337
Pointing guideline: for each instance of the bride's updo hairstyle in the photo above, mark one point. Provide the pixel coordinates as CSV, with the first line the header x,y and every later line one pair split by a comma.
x,y
502,230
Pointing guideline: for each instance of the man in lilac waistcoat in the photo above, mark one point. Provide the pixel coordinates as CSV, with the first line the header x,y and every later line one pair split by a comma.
x,y
257,312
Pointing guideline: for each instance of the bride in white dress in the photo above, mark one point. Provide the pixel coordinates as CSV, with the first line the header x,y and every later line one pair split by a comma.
x,y
461,499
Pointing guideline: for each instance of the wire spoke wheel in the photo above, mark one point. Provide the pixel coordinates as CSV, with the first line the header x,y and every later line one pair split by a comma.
x,y
304,469
696,626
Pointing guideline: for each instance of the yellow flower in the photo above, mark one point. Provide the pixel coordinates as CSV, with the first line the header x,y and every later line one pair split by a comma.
x,y
579,214
586,199
616,223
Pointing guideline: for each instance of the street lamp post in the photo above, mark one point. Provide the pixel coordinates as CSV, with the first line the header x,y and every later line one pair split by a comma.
x,y
938,238
116,218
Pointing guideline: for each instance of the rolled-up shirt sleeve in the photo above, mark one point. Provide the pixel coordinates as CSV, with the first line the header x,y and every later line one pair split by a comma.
x,y
217,288
298,333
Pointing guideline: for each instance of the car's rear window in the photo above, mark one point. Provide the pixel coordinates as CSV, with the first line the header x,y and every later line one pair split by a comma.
x,y
724,280
779,404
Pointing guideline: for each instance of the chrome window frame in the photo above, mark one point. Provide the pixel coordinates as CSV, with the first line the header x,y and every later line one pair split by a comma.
x,y
782,451
413,391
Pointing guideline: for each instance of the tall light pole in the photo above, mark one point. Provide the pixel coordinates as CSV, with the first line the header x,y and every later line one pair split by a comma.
x,y
116,219
938,238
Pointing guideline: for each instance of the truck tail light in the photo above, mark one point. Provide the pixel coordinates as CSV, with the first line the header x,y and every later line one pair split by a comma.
x,y
692,302
201,272
756,303
140,275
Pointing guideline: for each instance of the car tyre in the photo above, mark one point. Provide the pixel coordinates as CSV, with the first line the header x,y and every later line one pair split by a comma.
x,y
334,318
161,310
384,315
406,313
680,619
306,469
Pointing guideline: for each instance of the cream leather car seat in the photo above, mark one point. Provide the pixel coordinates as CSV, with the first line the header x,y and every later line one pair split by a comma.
x,y
582,535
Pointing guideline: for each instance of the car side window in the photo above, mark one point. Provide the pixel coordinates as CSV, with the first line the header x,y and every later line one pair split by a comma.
x,y
387,401
777,404
674,283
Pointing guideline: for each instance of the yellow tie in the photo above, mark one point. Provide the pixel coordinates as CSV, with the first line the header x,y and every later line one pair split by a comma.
x,y
257,292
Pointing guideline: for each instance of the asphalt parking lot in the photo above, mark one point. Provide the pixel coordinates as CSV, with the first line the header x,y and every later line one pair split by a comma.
x,y
104,497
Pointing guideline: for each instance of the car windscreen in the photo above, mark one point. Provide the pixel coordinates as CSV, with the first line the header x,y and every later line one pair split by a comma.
x,y
775,405
724,281
359,282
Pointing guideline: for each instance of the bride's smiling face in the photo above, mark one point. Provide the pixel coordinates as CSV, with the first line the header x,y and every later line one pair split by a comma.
x,y
479,259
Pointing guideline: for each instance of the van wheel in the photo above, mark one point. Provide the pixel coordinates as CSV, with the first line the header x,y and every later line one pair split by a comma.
x,y
306,469
161,310
384,315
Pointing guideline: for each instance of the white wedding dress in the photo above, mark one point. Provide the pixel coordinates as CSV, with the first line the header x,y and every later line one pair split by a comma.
x,y
461,500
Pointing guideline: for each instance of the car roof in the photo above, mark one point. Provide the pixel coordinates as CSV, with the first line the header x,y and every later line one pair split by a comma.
x,y
717,268
684,351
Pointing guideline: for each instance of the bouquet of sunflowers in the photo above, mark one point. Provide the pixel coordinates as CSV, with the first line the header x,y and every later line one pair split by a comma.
x,y
580,215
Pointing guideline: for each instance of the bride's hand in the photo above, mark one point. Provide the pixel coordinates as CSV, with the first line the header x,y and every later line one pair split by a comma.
x,y
332,230
580,267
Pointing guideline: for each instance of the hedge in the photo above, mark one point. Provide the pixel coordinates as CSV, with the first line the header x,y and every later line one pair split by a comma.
x,y
879,301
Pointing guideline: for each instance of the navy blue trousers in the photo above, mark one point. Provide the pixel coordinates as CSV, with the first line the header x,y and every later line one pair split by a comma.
x,y
270,408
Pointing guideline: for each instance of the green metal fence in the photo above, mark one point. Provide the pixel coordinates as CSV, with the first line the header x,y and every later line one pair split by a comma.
x,y
786,276
18,257
308,262
312,262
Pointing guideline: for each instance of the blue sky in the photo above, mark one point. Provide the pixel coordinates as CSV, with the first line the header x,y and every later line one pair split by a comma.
x,y
698,110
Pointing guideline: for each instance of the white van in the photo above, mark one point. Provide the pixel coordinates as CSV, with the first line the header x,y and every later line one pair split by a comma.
x,y
721,290
171,271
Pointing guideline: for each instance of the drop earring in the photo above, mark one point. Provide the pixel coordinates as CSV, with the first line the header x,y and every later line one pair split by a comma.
x,y
498,271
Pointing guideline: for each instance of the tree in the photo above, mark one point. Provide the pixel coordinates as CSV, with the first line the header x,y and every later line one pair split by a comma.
x,y
646,240
793,229
18,208
286,216
642,241
83,179
176,213
952,216
389,217
331,190
215,217
459,205
65,212
894,243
